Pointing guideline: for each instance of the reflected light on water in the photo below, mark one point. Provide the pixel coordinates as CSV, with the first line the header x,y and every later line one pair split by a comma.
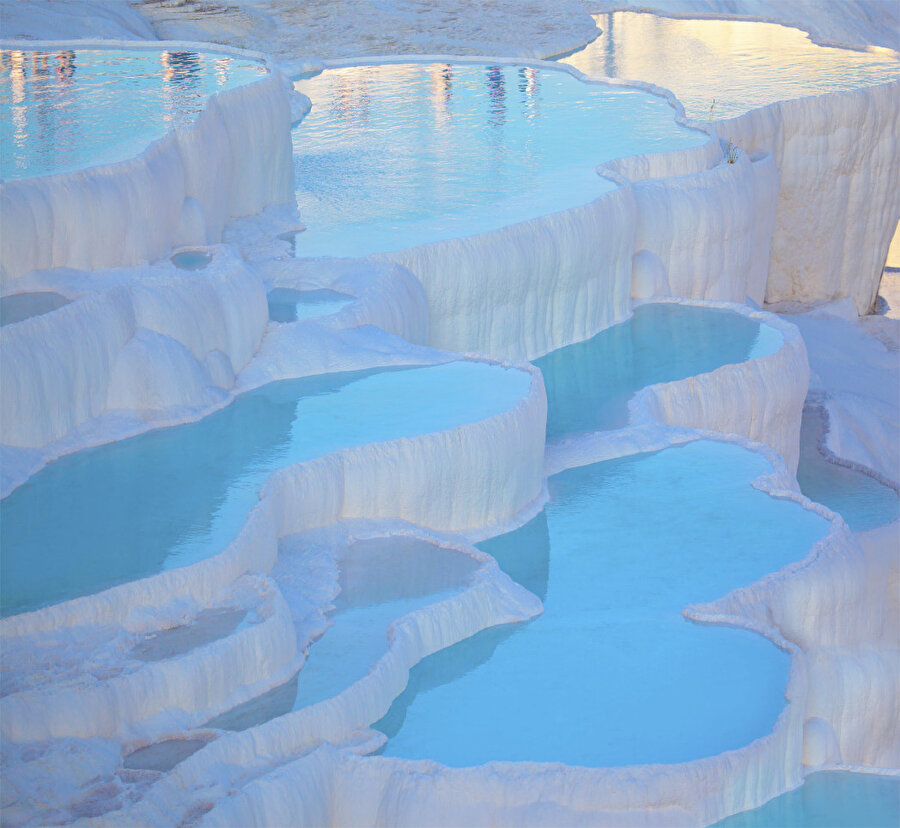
x,y
741,64
72,109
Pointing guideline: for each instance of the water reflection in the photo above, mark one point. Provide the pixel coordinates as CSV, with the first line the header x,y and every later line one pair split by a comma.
x,y
402,154
61,111
741,64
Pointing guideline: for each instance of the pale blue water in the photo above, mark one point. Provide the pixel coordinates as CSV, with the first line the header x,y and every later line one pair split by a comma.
x,y
611,673
723,68
399,155
829,799
289,305
191,259
589,384
18,306
174,496
71,109
861,500
380,581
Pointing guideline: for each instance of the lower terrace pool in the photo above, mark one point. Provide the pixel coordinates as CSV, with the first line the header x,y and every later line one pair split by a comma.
x,y
177,495
612,673
393,156
738,64
289,305
829,799
65,110
862,501
589,383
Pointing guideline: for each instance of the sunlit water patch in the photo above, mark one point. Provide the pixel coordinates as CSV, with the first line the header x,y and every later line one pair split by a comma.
x,y
289,305
399,155
65,110
589,384
177,495
612,673
860,499
739,65
829,799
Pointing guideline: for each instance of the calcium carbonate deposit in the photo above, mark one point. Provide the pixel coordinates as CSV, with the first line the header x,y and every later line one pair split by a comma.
x,y
401,427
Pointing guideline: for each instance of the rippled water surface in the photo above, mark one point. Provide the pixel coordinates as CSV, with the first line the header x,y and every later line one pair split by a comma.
x,y
612,673
723,68
399,155
66,110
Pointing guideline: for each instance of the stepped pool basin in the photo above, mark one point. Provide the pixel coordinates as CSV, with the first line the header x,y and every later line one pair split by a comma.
x,y
394,156
63,111
380,581
589,383
177,495
861,500
723,68
612,673
191,259
829,799
18,306
289,305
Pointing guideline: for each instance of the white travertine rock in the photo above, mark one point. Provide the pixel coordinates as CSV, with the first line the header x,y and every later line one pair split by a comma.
x,y
838,203
143,345
710,231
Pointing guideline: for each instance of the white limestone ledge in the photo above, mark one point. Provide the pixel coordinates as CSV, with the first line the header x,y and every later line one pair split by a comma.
x,y
838,202
474,475
234,160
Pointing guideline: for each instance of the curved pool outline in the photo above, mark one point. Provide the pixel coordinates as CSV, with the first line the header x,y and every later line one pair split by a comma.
x,y
610,169
516,778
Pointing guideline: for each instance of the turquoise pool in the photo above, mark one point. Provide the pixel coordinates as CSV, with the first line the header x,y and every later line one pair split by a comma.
x,y
177,495
589,384
829,799
860,499
65,110
393,156
612,673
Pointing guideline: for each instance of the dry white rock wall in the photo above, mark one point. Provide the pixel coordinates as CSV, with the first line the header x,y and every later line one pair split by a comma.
x,y
838,202
177,338
234,160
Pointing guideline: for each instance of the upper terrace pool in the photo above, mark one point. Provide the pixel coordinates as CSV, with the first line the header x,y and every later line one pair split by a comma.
x,y
611,673
741,65
174,496
65,110
393,156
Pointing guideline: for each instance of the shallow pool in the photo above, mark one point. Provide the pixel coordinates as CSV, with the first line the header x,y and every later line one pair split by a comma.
x,y
174,496
20,306
723,68
289,305
65,110
860,499
829,799
398,155
589,384
612,673
380,581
